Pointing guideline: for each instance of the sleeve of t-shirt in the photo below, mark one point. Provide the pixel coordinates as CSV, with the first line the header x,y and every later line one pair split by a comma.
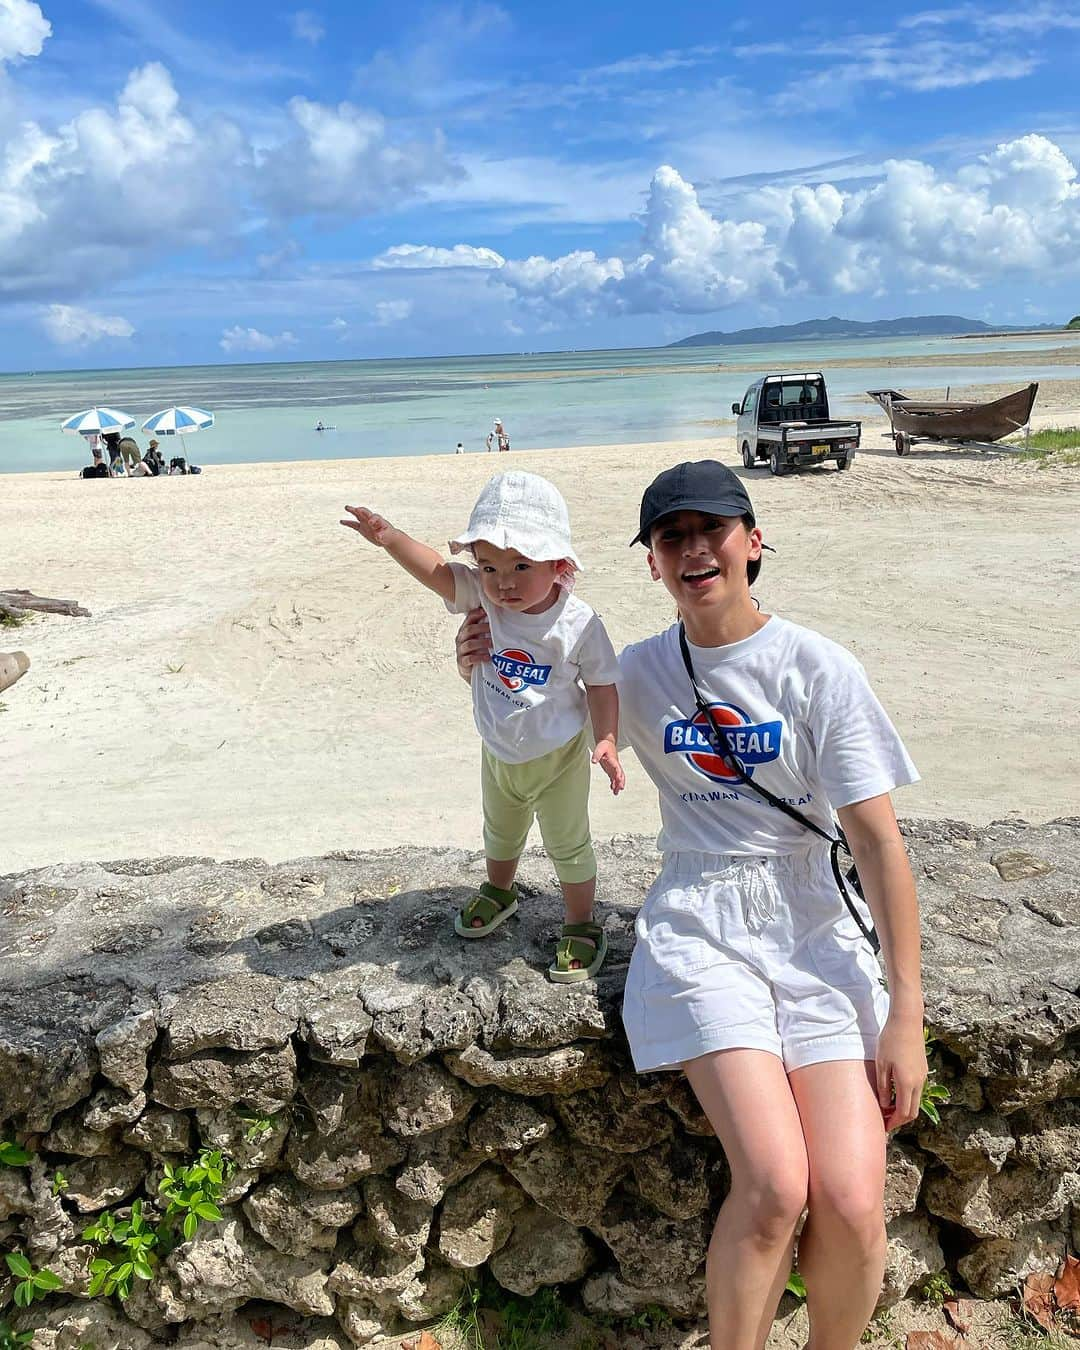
x,y
859,752
595,656
467,592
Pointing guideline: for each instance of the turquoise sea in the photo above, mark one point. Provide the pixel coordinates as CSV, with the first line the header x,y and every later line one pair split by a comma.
x,y
425,406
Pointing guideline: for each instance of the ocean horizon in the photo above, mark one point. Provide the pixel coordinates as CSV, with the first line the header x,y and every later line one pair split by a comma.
x,y
267,412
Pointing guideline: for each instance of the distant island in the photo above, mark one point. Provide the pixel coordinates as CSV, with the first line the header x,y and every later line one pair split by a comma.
x,y
918,325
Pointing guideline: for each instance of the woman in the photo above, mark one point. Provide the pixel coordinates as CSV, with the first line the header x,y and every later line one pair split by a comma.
x,y
749,973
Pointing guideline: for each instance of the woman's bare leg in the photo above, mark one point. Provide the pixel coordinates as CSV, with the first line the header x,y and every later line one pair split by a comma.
x,y
747,1098
842,1247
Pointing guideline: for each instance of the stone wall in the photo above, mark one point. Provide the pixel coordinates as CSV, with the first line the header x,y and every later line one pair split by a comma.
x,y
429,1107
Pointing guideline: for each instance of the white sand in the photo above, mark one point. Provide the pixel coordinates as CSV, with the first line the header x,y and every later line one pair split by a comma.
x,y
255,680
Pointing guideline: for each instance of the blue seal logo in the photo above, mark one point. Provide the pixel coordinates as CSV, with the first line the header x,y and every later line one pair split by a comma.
x,y
516,668
750,742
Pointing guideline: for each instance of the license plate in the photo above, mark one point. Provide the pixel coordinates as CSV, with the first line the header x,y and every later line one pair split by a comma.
x,y
821,449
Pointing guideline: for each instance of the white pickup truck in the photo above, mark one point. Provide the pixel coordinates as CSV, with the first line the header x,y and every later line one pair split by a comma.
x,y
785,419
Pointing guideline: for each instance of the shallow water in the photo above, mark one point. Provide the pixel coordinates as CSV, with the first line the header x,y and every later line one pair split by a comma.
x,y
423,406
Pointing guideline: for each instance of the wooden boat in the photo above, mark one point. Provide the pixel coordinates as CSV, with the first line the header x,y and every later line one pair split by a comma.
x,y
953,421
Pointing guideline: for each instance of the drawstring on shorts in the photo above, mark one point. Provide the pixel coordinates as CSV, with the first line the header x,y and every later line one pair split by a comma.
x,y
758,887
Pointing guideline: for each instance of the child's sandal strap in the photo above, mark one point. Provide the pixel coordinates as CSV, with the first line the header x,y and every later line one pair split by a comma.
x,y
488,903
582,930
571,948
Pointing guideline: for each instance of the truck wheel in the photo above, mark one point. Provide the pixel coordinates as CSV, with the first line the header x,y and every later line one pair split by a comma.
x,y
844,463
902,443
776,462
747,455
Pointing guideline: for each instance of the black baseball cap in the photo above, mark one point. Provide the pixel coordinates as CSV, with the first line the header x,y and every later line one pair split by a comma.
x,y
697,485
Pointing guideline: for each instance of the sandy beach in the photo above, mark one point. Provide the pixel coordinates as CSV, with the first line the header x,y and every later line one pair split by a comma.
x,y
254,680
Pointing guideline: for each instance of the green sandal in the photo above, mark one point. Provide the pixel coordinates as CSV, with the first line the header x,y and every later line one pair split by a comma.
x,y
490,903
571,948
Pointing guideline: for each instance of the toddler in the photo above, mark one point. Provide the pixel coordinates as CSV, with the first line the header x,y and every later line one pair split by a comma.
x,y
552,664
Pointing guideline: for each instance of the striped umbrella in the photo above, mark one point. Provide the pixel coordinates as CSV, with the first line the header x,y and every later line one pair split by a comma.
x,y
98,421
179,422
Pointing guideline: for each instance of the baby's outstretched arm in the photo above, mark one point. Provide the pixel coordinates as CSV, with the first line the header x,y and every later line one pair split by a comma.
x,y
604,714
416,558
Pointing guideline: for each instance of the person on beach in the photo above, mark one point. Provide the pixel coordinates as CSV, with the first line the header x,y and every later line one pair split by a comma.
x,y
497,438
553,666
751,973
112,452
130,452
153,460
97,468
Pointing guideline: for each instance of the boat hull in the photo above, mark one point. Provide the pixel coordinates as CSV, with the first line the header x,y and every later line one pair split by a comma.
x,y
953,421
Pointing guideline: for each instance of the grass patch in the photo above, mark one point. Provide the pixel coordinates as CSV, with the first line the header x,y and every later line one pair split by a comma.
x,y
1027,1336
488,1317
15,620
1052,445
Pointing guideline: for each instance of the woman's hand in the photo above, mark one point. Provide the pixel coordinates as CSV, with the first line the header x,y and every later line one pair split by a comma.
x,y
376,529
473,643
901,1070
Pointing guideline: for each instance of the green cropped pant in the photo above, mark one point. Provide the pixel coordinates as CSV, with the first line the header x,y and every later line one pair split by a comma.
x,y
555,790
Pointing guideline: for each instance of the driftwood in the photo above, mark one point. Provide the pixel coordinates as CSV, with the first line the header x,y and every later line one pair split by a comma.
x,y
13,666
14,604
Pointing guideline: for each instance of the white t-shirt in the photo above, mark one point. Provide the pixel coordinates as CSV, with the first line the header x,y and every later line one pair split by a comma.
x,y
802,717
529,698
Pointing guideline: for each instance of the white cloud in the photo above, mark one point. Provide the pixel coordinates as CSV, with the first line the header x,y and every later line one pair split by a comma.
x,y
251,340
425,255
1033,18
392,311
889,60
23,29
69,326
95,198
1013,212
307,26
345,161
337,325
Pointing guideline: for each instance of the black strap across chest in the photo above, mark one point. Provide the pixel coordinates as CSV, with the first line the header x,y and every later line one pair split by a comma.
x,y
721,745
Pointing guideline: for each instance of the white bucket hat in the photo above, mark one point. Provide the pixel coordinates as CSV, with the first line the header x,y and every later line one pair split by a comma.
x,y
523,511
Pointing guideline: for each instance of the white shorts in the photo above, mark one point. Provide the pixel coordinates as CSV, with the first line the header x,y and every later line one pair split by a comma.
x,y
753,953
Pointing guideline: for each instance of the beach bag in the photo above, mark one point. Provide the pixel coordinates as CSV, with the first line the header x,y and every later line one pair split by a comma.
x,y
844,871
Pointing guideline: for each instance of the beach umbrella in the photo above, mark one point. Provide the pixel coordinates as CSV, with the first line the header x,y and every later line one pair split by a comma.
x,y
182,421
178,422
98,422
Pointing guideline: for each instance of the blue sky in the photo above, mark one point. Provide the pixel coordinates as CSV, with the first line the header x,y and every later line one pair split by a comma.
x,y
192,182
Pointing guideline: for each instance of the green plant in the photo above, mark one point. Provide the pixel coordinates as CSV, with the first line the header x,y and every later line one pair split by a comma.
x,y
462,1322
32,1284
60,1183
11,1339
194,1191
13,1154
9,620
129,1252
650,1318
131,1247
936,1289
530,1322
257,1126
796,1285
933,1091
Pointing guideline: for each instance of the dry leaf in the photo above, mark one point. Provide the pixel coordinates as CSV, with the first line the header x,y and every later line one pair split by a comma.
x,y
1038,1299
932,1340
957,1317
428,1342
1067,1285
